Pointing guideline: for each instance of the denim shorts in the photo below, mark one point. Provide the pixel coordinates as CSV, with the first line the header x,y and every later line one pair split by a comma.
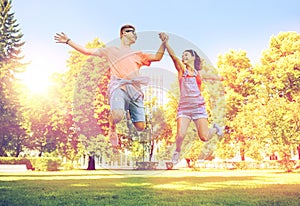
x,y
119,100
193,113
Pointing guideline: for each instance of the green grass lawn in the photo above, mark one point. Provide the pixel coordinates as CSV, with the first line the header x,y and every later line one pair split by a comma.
x,y
133,187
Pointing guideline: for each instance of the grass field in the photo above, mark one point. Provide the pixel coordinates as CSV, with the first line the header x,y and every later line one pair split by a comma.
x,y
165,187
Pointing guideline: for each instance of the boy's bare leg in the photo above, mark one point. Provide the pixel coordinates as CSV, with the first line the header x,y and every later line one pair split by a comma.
x,y
115,117
140,126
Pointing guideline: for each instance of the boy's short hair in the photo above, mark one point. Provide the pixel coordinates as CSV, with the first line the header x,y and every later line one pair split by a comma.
x,y
126,26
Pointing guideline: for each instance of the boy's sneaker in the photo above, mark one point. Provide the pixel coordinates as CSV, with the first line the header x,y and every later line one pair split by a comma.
x,y
175,157
219,130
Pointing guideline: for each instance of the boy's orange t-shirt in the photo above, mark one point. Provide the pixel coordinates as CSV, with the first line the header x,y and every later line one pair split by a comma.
x,y
124,62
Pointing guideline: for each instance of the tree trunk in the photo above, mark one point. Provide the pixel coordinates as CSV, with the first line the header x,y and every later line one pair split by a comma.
x,y
91,164
151,150
242,151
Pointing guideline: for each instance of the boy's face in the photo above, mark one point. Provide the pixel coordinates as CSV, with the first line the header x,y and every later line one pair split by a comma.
x,y
130,34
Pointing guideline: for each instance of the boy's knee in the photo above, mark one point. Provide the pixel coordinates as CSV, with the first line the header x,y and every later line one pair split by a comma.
x,y
140,126
117,116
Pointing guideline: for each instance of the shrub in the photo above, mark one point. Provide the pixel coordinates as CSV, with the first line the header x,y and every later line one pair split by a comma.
x,y
45,163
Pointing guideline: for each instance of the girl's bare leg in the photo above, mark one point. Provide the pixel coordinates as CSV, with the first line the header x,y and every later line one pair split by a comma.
x,y
204,133
182,126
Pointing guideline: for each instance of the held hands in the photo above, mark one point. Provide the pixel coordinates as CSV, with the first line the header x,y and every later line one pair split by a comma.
x,y
164,37
61,38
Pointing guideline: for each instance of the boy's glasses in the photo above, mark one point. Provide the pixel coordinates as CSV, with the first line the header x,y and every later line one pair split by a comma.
x,y
131,30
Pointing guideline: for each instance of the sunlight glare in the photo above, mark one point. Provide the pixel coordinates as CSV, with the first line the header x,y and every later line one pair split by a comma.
x,y
37,78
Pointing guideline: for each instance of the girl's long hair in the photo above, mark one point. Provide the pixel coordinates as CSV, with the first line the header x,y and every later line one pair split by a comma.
x,y
197,62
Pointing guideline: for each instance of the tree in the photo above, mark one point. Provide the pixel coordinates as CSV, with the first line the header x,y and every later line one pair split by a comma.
x,y
279,87
280,66
236,68
283,127
11,131
169,133
262,100
86,94
37,115
10,46
61,120
91,107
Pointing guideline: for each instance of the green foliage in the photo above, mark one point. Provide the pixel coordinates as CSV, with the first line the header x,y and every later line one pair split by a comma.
x,y
11,132
280,69
10,35
262,100
235,67
91,107
213,92
171,112
45,163
96,145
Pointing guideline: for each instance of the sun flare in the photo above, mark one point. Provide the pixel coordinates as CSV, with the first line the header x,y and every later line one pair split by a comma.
x,y
36,79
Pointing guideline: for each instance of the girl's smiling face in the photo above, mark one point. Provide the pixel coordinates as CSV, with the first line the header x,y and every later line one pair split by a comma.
x,y
187,58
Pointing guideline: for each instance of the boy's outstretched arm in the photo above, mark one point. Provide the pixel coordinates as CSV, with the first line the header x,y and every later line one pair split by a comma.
x,y
63,38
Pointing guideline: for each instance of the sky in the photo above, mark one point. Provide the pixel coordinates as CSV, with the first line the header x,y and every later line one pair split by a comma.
x,y
215,26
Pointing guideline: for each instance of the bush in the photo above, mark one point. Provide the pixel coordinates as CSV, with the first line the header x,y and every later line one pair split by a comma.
x,y
68,166
45,163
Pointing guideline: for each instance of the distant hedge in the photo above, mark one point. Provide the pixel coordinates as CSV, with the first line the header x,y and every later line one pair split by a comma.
x,y
34,163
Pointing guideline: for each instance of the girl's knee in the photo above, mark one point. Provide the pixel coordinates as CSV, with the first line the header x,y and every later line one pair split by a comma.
x,y
180,135
203,137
